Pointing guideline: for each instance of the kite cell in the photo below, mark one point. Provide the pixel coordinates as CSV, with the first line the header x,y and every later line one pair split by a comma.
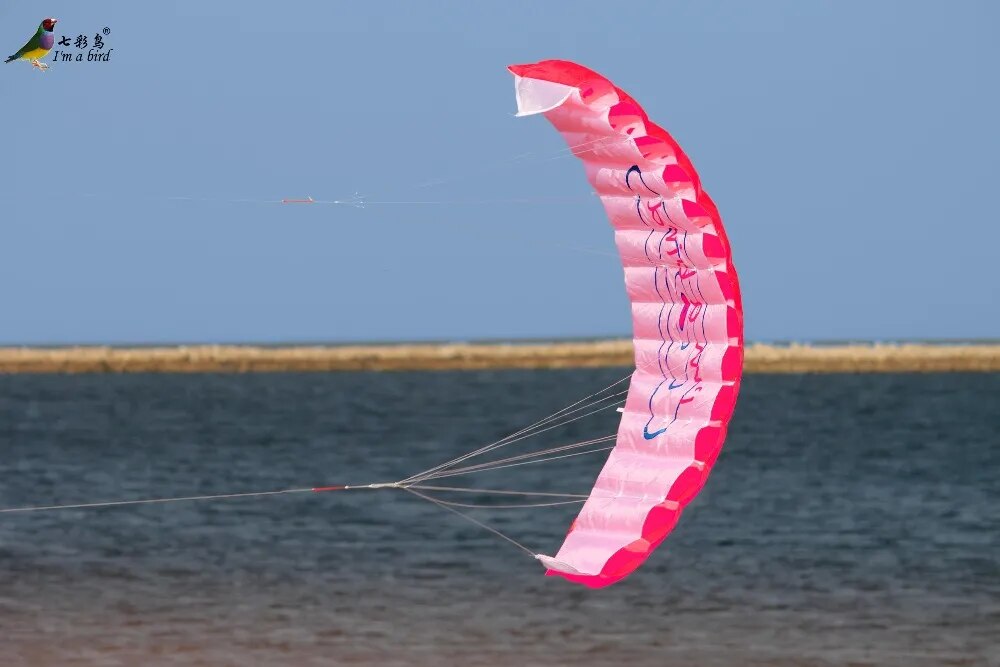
x,y
687,320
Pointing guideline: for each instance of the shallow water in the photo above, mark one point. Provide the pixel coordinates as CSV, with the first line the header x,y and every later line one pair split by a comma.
x,y
851,520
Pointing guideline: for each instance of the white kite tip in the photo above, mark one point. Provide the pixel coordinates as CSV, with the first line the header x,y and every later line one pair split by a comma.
x,y
551,563
536,96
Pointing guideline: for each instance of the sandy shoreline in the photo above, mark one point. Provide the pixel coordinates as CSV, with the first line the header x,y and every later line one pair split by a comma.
x,y
759,358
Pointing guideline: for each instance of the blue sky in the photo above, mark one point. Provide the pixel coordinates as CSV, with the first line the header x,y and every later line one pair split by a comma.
x,y
851,147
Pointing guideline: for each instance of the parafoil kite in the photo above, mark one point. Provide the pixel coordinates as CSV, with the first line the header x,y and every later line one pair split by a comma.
x,y
687,319
687,326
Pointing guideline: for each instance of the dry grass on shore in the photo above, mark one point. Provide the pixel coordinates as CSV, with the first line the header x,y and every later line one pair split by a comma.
x,y
238,358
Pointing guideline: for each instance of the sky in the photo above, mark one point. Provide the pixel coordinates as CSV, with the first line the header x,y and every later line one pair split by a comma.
x,y
851,147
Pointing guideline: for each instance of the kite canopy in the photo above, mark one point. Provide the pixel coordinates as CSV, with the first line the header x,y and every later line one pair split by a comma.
x,y
687,319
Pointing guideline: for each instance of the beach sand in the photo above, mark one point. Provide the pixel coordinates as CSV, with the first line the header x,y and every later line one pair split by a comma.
x,y
760,358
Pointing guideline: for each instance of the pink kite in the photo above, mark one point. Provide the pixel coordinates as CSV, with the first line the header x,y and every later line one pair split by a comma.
x,y
687,319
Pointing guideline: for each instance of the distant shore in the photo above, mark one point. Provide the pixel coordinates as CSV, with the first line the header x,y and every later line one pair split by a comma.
x,y
760,358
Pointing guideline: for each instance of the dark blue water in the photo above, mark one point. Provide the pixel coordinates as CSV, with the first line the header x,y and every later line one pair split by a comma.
x,y
851,520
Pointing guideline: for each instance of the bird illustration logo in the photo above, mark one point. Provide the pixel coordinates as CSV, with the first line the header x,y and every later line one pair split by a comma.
x,y
38,46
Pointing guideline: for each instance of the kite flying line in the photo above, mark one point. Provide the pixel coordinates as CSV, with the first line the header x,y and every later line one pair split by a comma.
x,y
607,398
